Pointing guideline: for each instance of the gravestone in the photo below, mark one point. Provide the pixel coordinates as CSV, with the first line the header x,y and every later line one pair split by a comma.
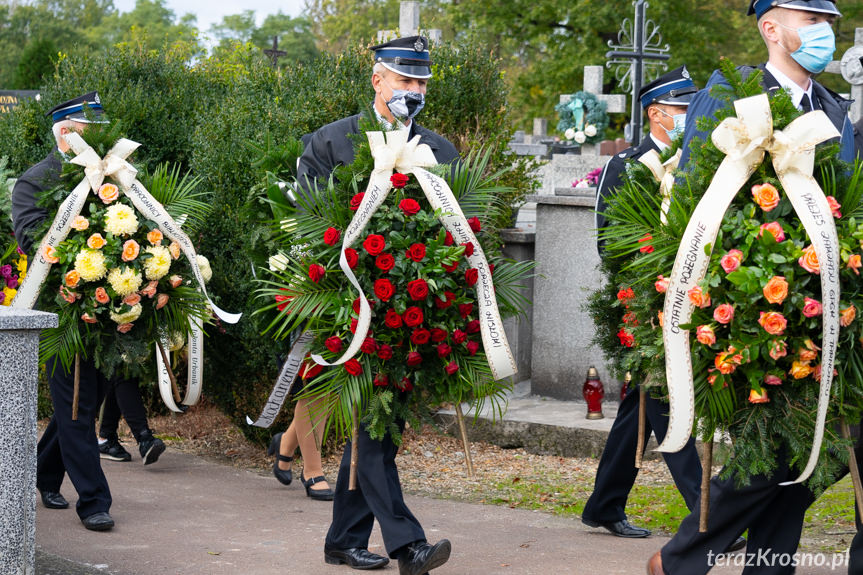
x,y
409,25
851,69
19,340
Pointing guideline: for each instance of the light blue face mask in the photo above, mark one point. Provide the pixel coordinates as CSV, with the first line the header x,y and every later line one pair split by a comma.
x,y
679,124
817,45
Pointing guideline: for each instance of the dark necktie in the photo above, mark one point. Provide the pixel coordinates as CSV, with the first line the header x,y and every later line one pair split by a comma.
x,y
806,104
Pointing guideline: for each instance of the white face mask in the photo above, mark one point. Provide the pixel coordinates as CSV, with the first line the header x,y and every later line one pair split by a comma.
x,y
679,124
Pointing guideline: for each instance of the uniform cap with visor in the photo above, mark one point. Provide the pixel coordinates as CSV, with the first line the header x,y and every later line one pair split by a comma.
x,y
760,7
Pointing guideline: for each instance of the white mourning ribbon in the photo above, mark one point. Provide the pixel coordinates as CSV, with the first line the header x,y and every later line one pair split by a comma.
x,y
664,174
744,140
392,150
285,382
194,369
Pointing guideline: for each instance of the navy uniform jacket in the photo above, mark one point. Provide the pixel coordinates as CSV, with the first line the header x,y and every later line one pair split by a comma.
x,y
330,147
611,179
26,215
835,106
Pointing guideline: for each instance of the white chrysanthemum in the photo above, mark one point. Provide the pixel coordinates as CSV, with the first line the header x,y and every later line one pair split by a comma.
x,y
278,262
590,130
124,280
580,137
90,265
129,316
120,220
204,265
569,134
159,264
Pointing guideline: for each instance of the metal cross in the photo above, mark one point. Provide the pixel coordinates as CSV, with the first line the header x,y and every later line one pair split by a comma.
x,y
274,53
638,47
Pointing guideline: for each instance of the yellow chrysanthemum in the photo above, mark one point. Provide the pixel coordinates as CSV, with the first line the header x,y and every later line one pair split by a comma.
x,y
120,220
156,266
22,266
124,280
90,265
10,295
129,316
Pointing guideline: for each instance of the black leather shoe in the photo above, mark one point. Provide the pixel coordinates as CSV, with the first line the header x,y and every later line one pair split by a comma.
x,y
622,528
53,500
319,494
737,545
355,558
420,557
98,521
285,476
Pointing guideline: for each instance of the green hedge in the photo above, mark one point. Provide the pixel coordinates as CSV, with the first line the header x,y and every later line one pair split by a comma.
x,y
202,116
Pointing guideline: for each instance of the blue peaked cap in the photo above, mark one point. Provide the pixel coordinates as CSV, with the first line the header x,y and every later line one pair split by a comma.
x,y
760,7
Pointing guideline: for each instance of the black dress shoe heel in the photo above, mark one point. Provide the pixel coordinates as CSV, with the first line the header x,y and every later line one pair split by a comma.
x,y
622,528
285,476
101,521
53,500
319,494
420,557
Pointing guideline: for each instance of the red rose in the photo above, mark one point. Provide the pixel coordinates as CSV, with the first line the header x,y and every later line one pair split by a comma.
x,y
416,252
333,343
458,336
409,206
384,289
352,257
385,262
331,236
473,326
316,272
472,347
413,316
420,336
356,305
418,289
468,249
449,297
354,325
451,367
381,380
310,370
438,334
399,180
443,350
471,275
385,352
357,200
405,384
414,358
450,268
448,239
465,309
474,224
353,367
646,248
283,300
369,345
393,319
374,244
626,338
491,269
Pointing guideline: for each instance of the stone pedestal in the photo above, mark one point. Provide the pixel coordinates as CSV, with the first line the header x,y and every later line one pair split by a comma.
x,y
567,273
519,246
19,371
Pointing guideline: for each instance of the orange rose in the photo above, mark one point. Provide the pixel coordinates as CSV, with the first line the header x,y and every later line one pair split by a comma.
x,y
68,294
809,260
778,349
698,297
854,263
727,361
834,207
50,255
771,379
704,334
800,370
132,299
773,322
766,196
80,223
724,313
756,397
150,290
155,237
102,295
175,281
89,318
96,242
125,327
776,290
72,278
131,249
661,317
174,248
809,352
108,193
161,300
847,315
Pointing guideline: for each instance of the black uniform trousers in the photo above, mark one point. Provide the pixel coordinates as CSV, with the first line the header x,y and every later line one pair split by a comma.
x,y
123,399
378,496
69,446
616,472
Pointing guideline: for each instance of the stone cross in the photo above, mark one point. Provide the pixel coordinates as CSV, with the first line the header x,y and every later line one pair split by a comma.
x,y
593,80
409,25
274,53
851,69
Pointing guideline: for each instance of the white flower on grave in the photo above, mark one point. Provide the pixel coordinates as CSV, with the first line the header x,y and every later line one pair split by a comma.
x,y
569,134
278,262
204,266
582,184
127,317
590,130
579,137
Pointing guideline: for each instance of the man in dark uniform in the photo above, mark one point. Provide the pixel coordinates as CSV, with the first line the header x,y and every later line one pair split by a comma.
x,y
795,32
665,100
401,71
66,446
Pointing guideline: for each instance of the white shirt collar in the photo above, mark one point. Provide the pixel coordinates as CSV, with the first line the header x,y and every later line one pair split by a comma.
x,y
659,143
790,85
